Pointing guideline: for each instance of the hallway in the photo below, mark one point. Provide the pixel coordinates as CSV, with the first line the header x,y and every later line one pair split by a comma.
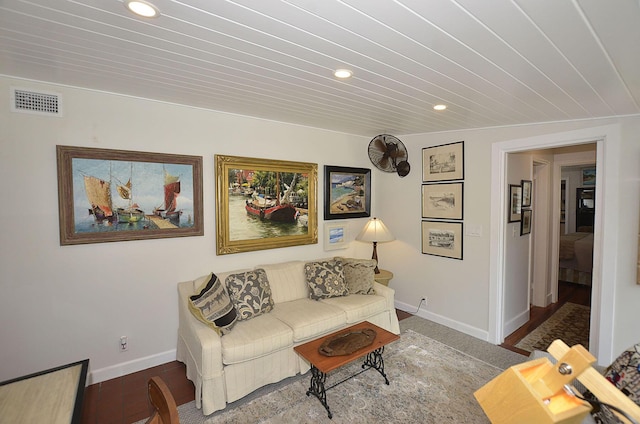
x,y
567,292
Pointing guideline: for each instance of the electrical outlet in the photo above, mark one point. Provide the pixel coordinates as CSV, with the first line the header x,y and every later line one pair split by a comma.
x,y
424,300
124,344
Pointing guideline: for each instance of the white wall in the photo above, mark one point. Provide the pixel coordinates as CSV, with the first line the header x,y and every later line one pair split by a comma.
x,y
62,304
460,291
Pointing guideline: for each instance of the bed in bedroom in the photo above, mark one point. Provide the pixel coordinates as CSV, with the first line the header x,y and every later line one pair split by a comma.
x,y
576,258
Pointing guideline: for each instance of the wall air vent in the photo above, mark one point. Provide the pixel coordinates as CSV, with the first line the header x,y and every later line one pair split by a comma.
x,y
30,101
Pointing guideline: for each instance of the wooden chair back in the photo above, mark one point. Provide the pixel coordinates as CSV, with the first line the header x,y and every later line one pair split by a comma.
x,y
164,405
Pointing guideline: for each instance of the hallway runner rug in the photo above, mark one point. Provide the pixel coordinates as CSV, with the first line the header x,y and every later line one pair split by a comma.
x,y
430,382
570,324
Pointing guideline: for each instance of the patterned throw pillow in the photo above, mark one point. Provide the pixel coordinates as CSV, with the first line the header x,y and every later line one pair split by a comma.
x,y
213,306
325,279
359,275
250,292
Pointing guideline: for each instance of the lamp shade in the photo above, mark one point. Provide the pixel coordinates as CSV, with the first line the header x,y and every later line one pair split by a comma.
x,y
375,231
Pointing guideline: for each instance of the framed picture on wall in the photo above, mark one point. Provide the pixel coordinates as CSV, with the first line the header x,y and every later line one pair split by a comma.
x,y
526,193
589,176
109,195
443,163
264,204
515,202
347,192
443,200
336,235
525,223
441,238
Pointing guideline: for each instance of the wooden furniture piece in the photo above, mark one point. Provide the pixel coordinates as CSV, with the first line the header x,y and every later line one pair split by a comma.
x,y
383,277
535,392
53,396
164,405
321,365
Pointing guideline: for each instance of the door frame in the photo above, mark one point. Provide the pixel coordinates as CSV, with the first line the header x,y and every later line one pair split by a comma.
x,y
606,138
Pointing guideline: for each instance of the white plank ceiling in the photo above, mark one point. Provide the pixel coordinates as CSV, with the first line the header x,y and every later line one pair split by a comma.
x,y
493,62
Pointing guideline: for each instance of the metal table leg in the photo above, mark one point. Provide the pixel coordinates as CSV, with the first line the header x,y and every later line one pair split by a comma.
x,y
317,389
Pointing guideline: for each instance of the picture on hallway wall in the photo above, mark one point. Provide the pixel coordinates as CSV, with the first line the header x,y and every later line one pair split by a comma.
x,y
515,202
264,204
525,223
119,195
443,163
441,238
442,201
527,186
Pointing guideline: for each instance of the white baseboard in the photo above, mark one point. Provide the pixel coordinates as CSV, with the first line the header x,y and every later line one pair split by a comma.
x,y
118,370
515,323
456,325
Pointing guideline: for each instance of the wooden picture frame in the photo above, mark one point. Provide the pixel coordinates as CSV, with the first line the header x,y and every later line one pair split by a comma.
x,y
336,235
527,186
347,192
443,163
589,177
525,222
440,238
515,202
251,210
443,201
109,195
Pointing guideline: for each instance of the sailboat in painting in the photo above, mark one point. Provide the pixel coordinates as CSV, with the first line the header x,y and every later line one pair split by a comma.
x,y
171,191
98,193
132,213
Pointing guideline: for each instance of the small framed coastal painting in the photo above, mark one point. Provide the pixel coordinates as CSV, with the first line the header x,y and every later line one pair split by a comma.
x,y
442,201
264,204
119,195
347,192
336,235
441,238
443,163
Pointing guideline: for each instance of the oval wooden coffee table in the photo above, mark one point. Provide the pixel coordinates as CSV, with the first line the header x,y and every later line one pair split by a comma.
x,y
321,365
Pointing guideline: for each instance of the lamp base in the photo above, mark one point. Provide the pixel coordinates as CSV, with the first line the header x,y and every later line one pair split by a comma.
x,y
375,256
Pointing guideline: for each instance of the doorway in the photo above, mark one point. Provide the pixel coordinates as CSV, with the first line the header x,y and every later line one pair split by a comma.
x,y
602,299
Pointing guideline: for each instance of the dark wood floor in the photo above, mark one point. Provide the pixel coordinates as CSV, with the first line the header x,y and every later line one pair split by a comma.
x,y
124,400
567,292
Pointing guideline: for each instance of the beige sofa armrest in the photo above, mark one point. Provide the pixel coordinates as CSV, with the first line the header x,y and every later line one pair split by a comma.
x,y
389,294
200,348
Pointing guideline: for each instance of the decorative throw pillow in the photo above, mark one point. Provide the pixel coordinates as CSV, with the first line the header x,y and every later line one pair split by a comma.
x,y
359,275
325,279
212,305
250,292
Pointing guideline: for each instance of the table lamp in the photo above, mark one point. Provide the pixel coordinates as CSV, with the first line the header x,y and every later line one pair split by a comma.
x,y
375,231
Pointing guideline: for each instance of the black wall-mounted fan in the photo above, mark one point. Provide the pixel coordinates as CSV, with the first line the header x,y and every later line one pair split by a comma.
x,y
388,154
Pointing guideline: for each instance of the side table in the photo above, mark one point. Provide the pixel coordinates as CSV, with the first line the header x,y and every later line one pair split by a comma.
x,y
384,277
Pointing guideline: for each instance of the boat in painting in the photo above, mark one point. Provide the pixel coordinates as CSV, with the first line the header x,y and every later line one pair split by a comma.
x,y
98,193
171,191
132,213
279,209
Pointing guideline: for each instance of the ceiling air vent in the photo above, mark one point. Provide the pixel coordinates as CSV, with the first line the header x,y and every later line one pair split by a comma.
x,y
30,101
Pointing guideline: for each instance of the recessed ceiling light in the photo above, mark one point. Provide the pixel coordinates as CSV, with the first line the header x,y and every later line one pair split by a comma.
x,y
440,107
343,73
142,8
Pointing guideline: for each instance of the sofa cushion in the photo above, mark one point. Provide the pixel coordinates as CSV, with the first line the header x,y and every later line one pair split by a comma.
x,y
255,338
212,305
287,281
309,318
250,293
358,307
359,274
325,279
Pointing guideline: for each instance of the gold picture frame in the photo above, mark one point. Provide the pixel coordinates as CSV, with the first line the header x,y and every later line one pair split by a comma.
x,y
107,195
253,204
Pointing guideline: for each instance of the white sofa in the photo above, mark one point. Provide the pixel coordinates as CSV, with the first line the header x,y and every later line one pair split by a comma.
x,y
259,351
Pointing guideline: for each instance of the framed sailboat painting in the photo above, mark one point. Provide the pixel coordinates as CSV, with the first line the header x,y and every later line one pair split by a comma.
x,y
264,204
119,195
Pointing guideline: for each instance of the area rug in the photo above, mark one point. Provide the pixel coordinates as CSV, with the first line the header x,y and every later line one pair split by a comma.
x,y
430,382
570,324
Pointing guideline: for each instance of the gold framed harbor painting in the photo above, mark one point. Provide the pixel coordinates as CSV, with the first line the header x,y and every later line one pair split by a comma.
x,y
109,195
264,204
